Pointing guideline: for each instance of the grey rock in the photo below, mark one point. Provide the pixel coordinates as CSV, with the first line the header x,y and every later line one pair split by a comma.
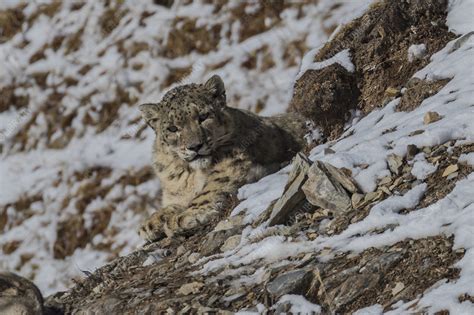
x,y
329,151
216,239
295,281
349,284
341,177
412,150
293,197
353,287
323,190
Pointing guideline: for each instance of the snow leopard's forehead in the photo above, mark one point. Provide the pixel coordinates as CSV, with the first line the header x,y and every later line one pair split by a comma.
x,y
184,97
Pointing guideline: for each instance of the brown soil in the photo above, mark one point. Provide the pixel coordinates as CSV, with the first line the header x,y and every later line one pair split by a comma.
x,y
111,19
254,23
187,37
425,262
8,99
48,9
417,91
439,186
109,110
176,74
10,22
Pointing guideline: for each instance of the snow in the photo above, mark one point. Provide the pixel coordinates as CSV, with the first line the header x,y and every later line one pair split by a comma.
x,y
459,18
299,305
422,168
371,310
257,196
468,158
343,58
416,52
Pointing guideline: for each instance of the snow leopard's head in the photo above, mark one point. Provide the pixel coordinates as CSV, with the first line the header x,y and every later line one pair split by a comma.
x,y
190,122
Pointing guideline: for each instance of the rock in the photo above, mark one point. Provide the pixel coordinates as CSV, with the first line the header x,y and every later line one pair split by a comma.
x,y
216,239
322,190
231,243
346,181
351,283
385,180
395,163
192,258
452,176
396,182
357,200
353,287
373,195
329,151
450,169
392,92
399,286
190,288
385,190
293,197
416,132
180,250
412,150
431,117
292,282
229,223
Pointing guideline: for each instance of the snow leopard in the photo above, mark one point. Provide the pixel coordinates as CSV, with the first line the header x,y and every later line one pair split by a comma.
x,y
204,150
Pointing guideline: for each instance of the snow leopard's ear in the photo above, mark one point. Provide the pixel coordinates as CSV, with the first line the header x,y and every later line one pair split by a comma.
x,y
216,86
149,112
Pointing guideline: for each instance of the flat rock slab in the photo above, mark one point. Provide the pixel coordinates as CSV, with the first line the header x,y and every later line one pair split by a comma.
x,y
323,190
292,196
295,281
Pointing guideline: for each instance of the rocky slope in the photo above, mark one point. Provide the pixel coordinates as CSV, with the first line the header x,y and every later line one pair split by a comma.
x,y
375,218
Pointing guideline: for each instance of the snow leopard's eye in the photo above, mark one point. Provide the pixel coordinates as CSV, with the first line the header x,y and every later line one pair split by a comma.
x,y
203,117
172,128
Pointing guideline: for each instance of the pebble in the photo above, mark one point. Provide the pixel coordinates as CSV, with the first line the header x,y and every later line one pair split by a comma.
x,y
190,288
412,150
431,117
450,169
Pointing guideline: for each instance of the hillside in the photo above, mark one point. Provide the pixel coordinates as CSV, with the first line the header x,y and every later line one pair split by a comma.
x,y
375,217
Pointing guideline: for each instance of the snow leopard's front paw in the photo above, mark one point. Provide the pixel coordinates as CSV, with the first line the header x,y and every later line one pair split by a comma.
x,y
191,220
155,227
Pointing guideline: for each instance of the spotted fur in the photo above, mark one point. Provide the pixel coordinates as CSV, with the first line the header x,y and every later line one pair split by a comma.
x,y
204,151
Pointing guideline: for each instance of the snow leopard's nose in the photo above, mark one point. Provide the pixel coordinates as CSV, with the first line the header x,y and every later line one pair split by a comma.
x,y
195,147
